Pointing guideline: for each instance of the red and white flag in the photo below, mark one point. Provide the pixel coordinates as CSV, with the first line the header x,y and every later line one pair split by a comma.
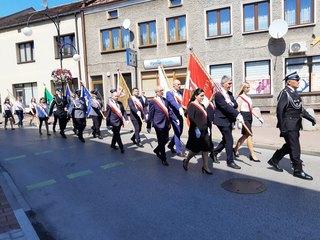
x,y
196,78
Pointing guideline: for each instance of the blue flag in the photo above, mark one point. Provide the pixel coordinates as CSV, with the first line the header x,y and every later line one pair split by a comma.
x,y
87,96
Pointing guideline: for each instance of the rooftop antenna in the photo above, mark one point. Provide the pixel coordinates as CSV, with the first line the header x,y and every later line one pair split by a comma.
x,y
278,28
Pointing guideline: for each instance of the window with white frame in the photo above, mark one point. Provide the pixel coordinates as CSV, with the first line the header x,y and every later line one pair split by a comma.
x,y
256,16
67,45
175,3
176,29
218,71
299,12
308,69
115,39
257,74
148,33
25,52
218,22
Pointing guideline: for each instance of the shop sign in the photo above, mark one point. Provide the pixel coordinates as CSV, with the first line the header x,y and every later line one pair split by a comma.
x,y
165,62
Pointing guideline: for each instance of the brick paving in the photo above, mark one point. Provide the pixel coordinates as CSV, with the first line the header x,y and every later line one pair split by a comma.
x,y
8,220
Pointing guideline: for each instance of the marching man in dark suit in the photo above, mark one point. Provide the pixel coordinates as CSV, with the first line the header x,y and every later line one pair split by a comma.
x,y
116,116
174,98
224,117
136,115
145,104
96,113
159,117
289,114
61,104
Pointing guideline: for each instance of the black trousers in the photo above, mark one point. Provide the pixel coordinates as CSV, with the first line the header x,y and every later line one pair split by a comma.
x,y
116,136
137,129
63,119
55,119
96,120
80,125
163,137
291,147
227,143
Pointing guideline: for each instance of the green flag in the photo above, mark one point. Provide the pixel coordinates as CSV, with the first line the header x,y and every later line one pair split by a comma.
x,y
48,96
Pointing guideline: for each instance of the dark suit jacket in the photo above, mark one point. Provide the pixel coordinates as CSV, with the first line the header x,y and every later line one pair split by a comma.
x,y
210,111
289,117
112,118
61,104
157,117
174,105
225,114
133,110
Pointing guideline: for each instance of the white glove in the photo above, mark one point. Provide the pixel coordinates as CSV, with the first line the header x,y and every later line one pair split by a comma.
x,y
181,112
240,118
198,133
178,122
209,132
139,113
127,122
239,125
148,130
261,120
146,117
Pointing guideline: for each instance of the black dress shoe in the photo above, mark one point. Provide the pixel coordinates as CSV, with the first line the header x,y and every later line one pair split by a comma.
x,y
302,174
114,147
235,153
185,164
100,137
122,150
172,149
252,159
275,165
140,145
63,135
214,158
233,165
164,162
157,153
206,171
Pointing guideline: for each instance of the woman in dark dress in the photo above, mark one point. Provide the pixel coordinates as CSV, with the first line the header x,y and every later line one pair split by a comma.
x,y
199,135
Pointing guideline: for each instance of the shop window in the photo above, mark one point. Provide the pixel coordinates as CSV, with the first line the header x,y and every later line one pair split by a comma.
x,y
218,22
308,69
148,33
25,52
176,29
67,45
256,16
299,12
257,74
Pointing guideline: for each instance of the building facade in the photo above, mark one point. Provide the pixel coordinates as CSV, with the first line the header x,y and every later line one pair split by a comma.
x,y
229,36
28,61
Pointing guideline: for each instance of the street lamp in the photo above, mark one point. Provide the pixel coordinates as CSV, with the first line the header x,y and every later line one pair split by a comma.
x,y
27,31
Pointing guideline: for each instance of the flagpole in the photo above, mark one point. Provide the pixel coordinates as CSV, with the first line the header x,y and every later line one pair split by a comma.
x,y
165,75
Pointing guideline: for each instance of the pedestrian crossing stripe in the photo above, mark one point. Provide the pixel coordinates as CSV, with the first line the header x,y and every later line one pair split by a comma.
x,y
112,165
15,157
79,174
41,184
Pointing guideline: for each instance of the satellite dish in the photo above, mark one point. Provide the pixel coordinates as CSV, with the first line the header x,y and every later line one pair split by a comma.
x,y
126,23
45,3
278,28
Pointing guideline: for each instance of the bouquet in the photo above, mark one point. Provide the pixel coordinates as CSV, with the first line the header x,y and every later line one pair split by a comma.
x,y
61,75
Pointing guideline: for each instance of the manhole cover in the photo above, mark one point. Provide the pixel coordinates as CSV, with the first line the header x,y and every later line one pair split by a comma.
x,y
244,185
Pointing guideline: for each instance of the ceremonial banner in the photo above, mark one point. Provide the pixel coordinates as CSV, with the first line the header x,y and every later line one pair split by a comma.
x,y
48,96
163,80
196,78
123,90
86,95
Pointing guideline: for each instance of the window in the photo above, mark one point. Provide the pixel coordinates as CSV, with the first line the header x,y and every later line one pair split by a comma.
x,y
299,12
257,74
175,3
256,16
218,71
113,14
218,22
176,28
25,52
308,69
67,45
148,33
115,39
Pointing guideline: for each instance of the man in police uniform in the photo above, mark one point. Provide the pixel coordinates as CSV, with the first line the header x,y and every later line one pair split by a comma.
x,y
289,113
96,113
61,103
136,115
79,107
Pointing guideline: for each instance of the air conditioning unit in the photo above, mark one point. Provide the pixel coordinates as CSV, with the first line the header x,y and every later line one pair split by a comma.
x,y
298,47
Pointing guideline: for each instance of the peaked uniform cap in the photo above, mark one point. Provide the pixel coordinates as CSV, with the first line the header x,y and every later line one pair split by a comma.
x,y
292,76
95,92
113,90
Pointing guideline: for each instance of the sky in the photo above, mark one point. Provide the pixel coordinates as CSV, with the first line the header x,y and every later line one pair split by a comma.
x,y
8,7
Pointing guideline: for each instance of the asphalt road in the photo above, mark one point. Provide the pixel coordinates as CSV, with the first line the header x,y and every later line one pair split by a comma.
x,y
88,191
